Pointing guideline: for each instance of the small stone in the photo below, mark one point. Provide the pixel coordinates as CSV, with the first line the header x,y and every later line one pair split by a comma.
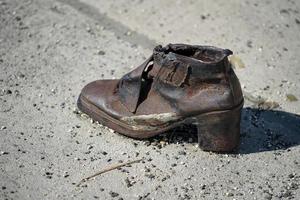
x,y
104,153
151,176
76,111
110,130
291,176
113,194
147,169
62,105
229,194
49,175
20,75
18,18
3,127
291,97
128,183
100,52
4,153
183,153
88,29
249,44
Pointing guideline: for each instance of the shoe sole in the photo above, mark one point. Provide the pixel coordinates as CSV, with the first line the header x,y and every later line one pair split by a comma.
x,y
218,131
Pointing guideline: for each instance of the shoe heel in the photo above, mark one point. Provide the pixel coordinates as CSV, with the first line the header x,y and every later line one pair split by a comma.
x,y
219,131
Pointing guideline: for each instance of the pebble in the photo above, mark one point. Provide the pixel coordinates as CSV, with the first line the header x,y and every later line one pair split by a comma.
x,y
101,53
3,127
128,33
163,143
66,175
229,194
291,97
4,153
110,130
151,176
249,44
49,175
113,194
88,29
291,176
128,182
76,111
203,186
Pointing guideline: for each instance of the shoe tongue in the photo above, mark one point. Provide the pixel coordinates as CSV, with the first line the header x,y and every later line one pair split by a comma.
x,y
129,88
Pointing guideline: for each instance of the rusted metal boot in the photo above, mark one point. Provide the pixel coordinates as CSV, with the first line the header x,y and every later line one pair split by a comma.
x,y
178,84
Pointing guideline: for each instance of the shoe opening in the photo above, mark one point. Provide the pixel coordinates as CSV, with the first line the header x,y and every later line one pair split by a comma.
x,y
202,53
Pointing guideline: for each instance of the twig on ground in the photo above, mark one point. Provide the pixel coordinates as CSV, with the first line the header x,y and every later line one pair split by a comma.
x,y
110,168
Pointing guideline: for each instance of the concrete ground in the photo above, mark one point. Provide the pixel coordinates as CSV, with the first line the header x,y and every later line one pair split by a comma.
x,y
50,49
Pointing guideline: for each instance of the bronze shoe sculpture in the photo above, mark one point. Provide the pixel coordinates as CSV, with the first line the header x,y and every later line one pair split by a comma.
x,y
178,84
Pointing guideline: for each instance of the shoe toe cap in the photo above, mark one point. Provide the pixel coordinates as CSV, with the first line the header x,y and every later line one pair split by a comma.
x,y
99,92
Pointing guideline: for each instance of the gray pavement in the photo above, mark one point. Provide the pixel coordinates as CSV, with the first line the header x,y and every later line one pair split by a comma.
x,y
50,49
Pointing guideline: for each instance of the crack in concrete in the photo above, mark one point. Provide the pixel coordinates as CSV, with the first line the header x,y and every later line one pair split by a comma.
x,y
118,28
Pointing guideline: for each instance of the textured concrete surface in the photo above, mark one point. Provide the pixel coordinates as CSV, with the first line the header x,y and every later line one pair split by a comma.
x,y
50,49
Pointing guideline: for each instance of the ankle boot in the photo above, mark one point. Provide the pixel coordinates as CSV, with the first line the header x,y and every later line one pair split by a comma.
x,y
178,84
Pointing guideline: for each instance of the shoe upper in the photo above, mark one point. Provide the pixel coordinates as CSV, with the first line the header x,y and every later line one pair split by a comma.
x,y
176,81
